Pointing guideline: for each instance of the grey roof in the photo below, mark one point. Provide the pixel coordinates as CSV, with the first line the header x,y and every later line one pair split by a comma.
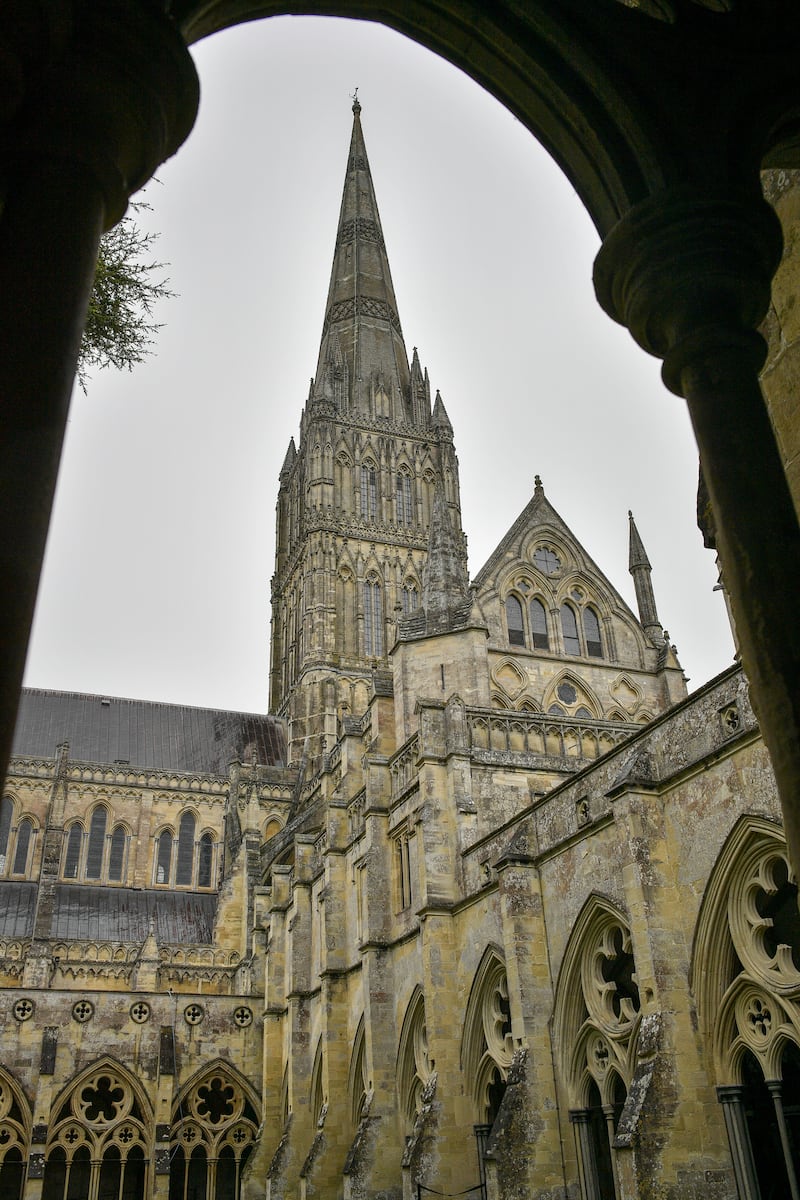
x,y
177,737
105,914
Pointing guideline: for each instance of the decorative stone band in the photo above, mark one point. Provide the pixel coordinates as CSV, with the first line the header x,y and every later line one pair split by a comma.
x,y
360,227
362,306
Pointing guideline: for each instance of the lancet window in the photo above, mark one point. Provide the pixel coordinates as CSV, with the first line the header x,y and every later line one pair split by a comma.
x,y
569,630
16,841
591,629
100,1142
184,862
514,622
415,1069
403,499
369,492
95,855
539,635
409,598
213,1133
373,618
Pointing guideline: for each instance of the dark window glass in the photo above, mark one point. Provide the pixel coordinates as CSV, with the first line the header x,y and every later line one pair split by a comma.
x,y
546,560
116,855
403,499
539,626
97,842
373,619
569,627
185,864
591,627
409,598
6,816
584,713
369,495
567,693
55,1174
205,860
226,1175
600,1145
762,1125
24,832
780,907
164,857
516,629
11,1175
135,1171
555,710
73,856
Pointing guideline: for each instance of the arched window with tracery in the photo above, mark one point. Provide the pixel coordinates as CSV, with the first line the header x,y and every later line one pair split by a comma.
x,y
6,821
487,1046
747,968
539,634
373,618
15,1127
596,1027
214,1129
100,1143
409,597
96,844
414,1067
514,622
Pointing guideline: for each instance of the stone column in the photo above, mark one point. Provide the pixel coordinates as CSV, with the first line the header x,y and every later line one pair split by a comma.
x,y
731,1099
690,276
774,1086
105,95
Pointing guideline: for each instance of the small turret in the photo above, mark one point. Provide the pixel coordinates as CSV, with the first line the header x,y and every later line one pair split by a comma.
x,y
289,460
439,417
639,567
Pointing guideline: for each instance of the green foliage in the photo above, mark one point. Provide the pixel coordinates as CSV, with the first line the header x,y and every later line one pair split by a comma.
x,y
119,330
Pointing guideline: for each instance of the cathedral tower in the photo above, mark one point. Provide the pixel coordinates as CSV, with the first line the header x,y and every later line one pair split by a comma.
x,y
356,495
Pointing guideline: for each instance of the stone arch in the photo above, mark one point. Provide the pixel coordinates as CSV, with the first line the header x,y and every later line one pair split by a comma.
x,y
487,1045
15,1135
359,1086
413,1065
215,1120
560,692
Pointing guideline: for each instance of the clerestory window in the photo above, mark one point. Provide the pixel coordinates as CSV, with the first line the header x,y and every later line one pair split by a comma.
x,y
369,492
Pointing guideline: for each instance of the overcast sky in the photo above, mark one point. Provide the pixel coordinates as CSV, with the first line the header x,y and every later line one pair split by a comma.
x,y
156,582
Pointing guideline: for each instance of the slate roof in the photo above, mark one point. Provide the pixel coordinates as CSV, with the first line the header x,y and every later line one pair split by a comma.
x,y
104,914
177,737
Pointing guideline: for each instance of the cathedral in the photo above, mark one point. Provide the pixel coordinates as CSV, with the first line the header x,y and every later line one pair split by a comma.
x,y
486,906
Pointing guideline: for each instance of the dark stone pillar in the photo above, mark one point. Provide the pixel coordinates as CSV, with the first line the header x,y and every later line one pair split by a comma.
x,y
95,110
690,277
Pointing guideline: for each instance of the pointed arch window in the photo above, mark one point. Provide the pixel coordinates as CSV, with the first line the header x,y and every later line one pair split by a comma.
x,y
185,859
205,861
373,618
96,843
514,621
369,492
591,628
569,629
539,635
404,508
72,856
116,854
6,817
164,856
23,846
213,1135
409,598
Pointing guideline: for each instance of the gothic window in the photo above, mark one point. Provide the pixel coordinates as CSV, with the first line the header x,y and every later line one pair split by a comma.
x,y
487,1047
547,560
116,854
516,628
405,863
359,1082
596,1028
164,856
6,818
99,1144
72,854
748,972
213,1134
373,619
409,598
205,861
404,509
185,857
569,628
414,1062
591,628
539,636
369,492
22,847
13,1138
96,843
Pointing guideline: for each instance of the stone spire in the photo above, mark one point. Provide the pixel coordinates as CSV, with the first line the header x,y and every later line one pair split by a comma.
x,y
639,567
362,349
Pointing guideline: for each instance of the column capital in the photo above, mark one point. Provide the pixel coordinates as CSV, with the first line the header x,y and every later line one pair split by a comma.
x,y
690,275
115,95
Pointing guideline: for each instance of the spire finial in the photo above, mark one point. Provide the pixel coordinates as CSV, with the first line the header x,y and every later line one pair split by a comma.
x,y
537,484
356,105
